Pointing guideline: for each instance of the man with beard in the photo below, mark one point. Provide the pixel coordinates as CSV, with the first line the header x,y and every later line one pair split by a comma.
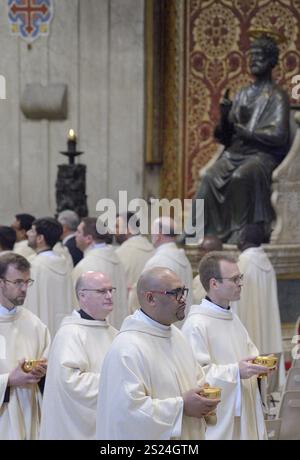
x,y
50,298
150,382
21,225
168,255
22,336
254,128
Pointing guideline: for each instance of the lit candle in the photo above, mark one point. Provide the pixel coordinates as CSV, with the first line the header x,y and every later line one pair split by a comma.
x,y
72,136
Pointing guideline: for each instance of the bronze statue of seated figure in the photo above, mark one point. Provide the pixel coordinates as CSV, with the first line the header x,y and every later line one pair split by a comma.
x,y
254,129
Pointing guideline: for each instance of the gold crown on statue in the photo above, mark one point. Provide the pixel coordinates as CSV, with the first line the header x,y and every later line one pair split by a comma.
x,y
259,32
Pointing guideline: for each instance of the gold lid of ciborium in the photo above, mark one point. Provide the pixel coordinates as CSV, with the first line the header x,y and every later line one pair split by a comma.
x,y
211,392
30,364
268,361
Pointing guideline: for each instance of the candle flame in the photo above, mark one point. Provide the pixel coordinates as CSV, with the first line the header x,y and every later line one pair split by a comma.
x,y
72,136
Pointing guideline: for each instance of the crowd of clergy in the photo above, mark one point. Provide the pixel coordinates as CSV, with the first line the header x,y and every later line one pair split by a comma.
x,y
109,336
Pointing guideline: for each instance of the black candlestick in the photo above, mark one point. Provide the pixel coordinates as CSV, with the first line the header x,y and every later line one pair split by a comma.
x,y
71,153
70,184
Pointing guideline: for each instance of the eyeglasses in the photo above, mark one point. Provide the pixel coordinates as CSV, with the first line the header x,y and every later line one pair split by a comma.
x,y
19,283
235,279
101,291
178,293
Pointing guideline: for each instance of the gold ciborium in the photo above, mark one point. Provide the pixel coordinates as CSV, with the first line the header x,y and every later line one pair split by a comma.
x,y
211,393
269,362
30,364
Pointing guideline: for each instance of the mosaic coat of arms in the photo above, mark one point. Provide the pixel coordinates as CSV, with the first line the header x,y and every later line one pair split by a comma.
x,y
30,18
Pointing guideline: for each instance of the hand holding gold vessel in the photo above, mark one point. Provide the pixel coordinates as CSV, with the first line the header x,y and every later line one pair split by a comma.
x,y
269,362
213,393
37,367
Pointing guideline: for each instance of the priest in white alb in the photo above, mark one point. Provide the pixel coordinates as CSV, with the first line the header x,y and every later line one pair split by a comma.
x,y
258,307
70,221
150,381
134,251
50,297
75,361
21,225
100,256
167,254
22,336
61,250
7,239
223,347
208,244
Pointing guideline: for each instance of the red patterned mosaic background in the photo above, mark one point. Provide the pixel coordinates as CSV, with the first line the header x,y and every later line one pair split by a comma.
x,y
217,59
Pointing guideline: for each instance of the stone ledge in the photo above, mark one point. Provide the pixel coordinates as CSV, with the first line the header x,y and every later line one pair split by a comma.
x,y
284,258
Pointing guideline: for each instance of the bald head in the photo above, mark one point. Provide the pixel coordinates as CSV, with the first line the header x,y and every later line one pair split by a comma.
x,y
94,293
164,225
163,230
211,243
155,302
88,279
156,278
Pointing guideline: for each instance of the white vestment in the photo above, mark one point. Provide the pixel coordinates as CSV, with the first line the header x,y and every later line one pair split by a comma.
x,y
198,290
22,335
60,249
50,296
22,248
134,253
71,390
168,255
220,341
258,307
104,259
144,375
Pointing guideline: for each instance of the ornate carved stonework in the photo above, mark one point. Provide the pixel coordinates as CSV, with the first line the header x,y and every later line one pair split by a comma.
x,y
70,189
